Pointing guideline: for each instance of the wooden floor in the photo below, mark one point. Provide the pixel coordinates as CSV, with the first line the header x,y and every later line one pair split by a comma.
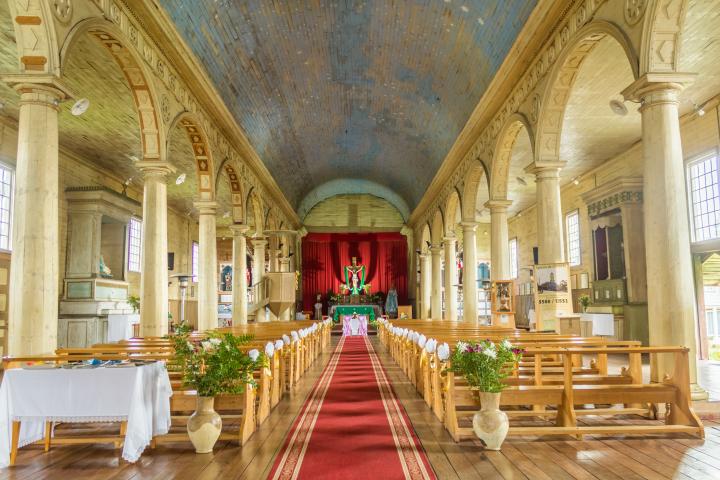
x,y
640,457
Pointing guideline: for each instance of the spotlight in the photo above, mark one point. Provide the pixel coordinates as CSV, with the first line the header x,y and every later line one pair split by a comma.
x,y
699,109
521,181
180,179
133,157
80,107
576,180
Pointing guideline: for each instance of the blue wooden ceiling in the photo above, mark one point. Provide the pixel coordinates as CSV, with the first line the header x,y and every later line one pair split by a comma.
x,y
374,90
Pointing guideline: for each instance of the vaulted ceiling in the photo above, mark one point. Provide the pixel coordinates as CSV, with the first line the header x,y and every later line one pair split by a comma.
x,y
372,91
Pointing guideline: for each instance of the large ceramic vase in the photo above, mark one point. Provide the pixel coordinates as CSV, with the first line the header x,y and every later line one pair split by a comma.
x,y
204,425
491,424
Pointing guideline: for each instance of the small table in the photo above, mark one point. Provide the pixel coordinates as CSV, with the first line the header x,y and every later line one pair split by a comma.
x,y
355,325
31,399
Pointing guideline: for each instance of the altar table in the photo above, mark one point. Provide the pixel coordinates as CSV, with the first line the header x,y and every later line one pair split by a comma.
x,y
138,395
120,327
355,326
372,311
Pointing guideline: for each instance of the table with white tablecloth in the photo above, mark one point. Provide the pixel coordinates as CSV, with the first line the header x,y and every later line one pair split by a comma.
x,y
355,325
138,395
603,324
120,326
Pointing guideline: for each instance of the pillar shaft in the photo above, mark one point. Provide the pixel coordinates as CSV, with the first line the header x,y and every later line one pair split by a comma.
x,y
470,280
671,308
551,236
207,267
499,241
258,272
425,285
154,268
33,312
436,293
451,280
240,286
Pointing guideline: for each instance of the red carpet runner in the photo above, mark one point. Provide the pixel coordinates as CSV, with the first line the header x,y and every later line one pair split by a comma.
x,y
352,426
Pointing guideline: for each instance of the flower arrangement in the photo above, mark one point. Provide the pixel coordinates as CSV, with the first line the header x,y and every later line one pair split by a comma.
x,y
584,302
215,364
485,364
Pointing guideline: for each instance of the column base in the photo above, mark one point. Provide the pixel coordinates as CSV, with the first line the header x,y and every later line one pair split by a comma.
x,y
697,393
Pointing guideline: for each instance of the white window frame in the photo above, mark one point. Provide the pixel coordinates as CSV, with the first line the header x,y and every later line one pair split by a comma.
x,y
513,257
578,251
134,246
195,260
7,246
710,155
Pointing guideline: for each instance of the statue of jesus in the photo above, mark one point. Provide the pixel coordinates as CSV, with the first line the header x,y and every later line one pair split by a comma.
x,y
355,277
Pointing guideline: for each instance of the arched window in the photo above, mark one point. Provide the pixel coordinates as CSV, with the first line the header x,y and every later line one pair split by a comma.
x,y
7,177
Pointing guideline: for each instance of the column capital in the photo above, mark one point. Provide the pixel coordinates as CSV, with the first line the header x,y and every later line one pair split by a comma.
x,y
647,87
259,242
206,207
450,239
498,205
154,168
48,86
468,226
239,229
435,249
545,169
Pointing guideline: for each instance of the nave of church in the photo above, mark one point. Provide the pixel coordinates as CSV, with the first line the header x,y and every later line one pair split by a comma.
x,y
347,239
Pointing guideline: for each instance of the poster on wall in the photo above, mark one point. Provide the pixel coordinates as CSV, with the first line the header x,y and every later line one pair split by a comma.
x,y
552,295
226,277
502,304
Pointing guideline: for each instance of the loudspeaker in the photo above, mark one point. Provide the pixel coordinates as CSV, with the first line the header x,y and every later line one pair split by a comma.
x,y
171,260
535,255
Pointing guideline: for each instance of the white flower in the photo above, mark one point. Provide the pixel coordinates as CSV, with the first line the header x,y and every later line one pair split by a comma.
x,y
286,340
506,344
490,352
462,346
443,352
215,341
279,344
430,345
269,349
254,354
190,345
206,345
295,336
422,341
415,336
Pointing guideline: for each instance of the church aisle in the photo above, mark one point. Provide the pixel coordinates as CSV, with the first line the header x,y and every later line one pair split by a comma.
x,y
352,425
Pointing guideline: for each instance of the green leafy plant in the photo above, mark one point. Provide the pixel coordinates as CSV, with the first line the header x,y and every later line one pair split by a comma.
x,y
134,302
485,364
216,364
584,301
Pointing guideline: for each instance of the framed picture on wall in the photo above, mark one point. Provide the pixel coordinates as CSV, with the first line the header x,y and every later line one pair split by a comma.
x,y
226,276
502,297
584,280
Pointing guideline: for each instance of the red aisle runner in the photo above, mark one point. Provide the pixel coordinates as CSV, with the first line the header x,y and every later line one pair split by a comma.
x,y
352,426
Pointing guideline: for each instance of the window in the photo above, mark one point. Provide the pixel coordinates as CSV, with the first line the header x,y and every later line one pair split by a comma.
x,y
704,200
572,226
195,260
513,248
134,242
6,192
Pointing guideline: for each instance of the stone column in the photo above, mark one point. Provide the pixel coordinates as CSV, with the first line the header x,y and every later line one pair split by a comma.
x,y
551,234
425,285
451,280
258,271
470,280
240,286
207,266
436,294
671,304
34,274
499,241
154,269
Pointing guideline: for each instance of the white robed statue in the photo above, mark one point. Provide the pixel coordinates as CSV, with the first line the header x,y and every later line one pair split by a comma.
x,y
391,302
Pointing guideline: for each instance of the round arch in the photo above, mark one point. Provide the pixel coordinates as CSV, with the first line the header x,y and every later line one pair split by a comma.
x,y
192,127
253,201
662,36
453,209
561,80
437,232
137,75
473,182
425,239
236,190
502,154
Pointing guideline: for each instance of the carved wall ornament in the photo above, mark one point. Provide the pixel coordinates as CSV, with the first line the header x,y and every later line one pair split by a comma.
x,y
614,201
62,9
535,108
165,108
634,10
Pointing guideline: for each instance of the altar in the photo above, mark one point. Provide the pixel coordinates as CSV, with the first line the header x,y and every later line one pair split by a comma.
x,y
338,311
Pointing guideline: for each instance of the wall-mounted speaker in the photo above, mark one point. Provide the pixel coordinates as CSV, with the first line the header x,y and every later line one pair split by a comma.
x,y
171,261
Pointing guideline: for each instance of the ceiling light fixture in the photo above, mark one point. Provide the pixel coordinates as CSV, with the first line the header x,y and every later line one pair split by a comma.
x,y
133,157
80,107
576,180
618,107
699,109
180,179
521,181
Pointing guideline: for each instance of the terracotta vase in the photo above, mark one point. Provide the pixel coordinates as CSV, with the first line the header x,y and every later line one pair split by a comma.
x,y
204,425
491,424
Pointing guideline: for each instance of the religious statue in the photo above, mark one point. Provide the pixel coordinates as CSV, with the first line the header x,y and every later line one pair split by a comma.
x,y
391,302
226,278
318,307
355,277
105,271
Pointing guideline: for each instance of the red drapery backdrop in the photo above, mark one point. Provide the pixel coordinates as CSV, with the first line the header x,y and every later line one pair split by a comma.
x,y
324,256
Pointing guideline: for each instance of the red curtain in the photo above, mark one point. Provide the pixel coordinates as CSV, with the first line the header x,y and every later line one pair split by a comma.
x,y
324,256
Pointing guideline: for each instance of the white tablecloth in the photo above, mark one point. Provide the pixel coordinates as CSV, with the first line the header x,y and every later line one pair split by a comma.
x,y
355,326
120,327
138,395
602,323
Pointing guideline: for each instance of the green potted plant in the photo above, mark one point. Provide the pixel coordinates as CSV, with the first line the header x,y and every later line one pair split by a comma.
x,y
485,365
134,302
212,366
584,302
